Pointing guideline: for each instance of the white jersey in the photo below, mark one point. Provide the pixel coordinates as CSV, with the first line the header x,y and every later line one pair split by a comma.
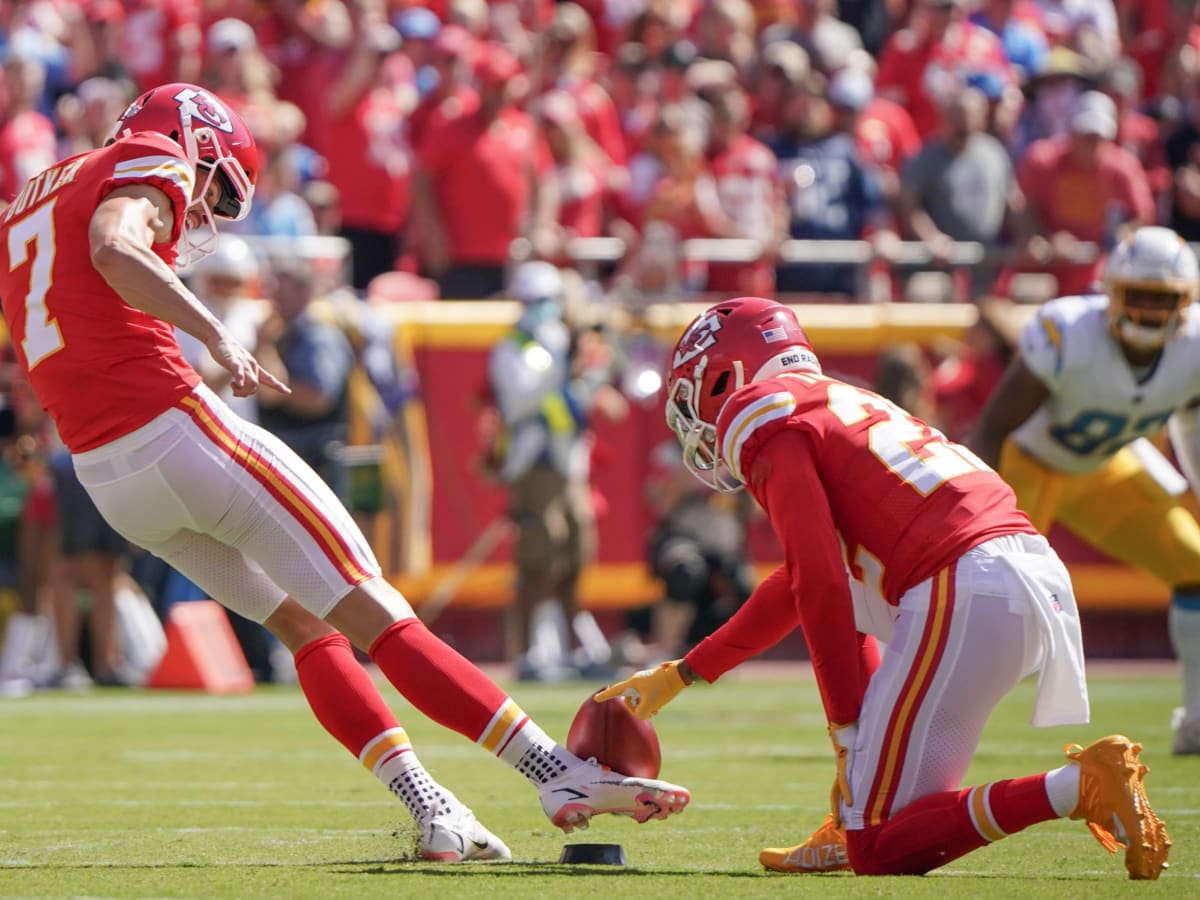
x,y
1098,403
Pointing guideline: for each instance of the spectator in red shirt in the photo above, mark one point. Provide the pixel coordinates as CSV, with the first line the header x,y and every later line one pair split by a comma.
x,y
883,129
630,84
1082,189
580,171
307,42
369,159
161,41
476,187
922,64
28,142
1146,37
638,182
568,58
611,19
235,67
452,55
750,203
681,204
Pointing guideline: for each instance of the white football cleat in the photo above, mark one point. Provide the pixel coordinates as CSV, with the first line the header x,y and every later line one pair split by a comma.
x,y
1187,734
457,836
590,789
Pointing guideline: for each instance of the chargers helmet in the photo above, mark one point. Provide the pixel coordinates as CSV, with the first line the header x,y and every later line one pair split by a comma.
x,y
215,141
1151,277
729,345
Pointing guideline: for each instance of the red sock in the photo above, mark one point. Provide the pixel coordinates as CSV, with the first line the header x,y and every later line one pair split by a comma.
x,y
341,693
942,827
1017,803
437,679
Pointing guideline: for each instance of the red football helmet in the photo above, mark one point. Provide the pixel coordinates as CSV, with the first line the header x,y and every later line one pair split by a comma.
x,y
729,345
215,140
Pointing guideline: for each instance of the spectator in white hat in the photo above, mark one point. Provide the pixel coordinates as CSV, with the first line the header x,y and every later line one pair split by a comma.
x,y
1082,189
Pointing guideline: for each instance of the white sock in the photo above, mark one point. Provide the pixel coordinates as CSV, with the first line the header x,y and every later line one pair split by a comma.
x,y
1062,787
393,761
1184,626
26,637
530,750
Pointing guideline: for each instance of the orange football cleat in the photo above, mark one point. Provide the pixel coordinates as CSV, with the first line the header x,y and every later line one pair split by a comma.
x,y
1113,802
825,851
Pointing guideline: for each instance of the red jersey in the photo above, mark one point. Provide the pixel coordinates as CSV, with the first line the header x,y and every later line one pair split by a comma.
x,y
895,489
748,189
848,480
100,368
370,162
480,170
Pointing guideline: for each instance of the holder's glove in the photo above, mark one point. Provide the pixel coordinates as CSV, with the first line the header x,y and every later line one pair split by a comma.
x,y
843,737
648,691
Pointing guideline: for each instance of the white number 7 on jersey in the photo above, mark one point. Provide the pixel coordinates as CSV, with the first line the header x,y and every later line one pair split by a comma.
x,y
42,336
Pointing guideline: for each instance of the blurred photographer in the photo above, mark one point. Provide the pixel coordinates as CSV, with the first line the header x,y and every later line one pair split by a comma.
x,y
545,379
697,551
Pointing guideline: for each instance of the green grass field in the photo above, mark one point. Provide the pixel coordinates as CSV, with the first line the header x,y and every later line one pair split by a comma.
x,y
153,794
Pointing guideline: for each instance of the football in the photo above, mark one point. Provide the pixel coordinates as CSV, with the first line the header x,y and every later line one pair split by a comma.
x,y
616,738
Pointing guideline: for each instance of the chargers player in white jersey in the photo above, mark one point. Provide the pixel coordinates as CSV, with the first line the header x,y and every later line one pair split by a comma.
x,y
1093,377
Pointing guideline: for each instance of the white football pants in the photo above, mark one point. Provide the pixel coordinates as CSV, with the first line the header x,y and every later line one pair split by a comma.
x,y
961,641
231,507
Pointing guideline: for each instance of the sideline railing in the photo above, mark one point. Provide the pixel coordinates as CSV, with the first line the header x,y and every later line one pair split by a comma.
x,y
589,254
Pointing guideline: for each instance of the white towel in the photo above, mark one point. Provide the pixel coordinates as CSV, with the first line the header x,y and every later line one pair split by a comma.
x,y
1039,578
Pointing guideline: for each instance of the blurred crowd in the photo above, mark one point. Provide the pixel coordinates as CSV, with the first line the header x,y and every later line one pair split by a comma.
x,y
1004,138
651,150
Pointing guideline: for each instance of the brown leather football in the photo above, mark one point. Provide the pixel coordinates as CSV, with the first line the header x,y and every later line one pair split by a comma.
x,y
616,738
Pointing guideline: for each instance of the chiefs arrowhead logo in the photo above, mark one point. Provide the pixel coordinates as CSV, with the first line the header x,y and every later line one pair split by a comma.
x,y
697,339
205,107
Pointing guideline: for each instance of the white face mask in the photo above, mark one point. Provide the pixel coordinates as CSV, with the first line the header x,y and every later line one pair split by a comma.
x,y
698,439
197,242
